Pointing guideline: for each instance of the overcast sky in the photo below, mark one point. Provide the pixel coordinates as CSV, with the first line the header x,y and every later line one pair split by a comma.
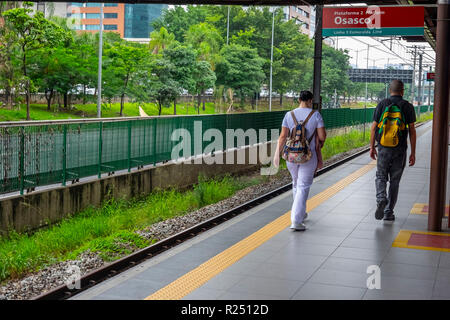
x,y
382,54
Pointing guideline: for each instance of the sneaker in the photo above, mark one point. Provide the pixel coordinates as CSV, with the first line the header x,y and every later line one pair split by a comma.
x,y
298,227
379,213
389,217
306,216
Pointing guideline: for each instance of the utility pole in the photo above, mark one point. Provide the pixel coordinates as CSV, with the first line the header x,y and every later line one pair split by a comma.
x,y
100,53
365,101
429,91
439,143
271,61
413,83
317,59
228,24
420,79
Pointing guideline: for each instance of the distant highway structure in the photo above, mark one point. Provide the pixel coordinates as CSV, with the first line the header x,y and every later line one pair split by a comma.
x,y
380,75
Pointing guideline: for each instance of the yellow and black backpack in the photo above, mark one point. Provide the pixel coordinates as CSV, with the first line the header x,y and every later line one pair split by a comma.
x,y
391,125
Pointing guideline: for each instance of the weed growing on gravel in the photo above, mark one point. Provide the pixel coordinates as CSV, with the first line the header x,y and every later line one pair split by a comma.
x,y
425,117
345,142
109,229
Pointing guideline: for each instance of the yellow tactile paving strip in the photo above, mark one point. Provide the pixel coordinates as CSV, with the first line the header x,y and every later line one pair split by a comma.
x,y
206,271
403,237
418,208
422,208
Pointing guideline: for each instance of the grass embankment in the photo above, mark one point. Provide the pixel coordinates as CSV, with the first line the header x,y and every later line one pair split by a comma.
x,y
345,142
359,105
39,111
110,229
425,117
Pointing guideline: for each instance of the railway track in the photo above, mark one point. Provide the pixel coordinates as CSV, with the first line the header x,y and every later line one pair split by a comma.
x,y
95,277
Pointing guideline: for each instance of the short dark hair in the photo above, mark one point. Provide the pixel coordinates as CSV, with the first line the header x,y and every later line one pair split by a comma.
x,y
306,95
396,86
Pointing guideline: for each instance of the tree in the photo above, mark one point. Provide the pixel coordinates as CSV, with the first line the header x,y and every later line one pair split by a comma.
x,y
33,32
207,40
121,66
292,61
184,60
161,84
335,65
160,40
84,48
204,78
178,20
10,79
236,65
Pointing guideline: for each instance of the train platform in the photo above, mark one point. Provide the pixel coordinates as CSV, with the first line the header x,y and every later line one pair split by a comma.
x,y
344,253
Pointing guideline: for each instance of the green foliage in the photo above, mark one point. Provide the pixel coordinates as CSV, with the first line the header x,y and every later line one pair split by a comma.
x,y
160,40
46,56
237,64
425,117
108,230
344,142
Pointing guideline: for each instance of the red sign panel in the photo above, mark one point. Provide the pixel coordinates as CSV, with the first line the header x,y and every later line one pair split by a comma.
x,y
373,17
430,76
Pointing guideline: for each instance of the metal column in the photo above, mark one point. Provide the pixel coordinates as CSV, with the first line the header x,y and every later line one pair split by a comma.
x,y
429,91
420,79
413,83
100,54
439,146
318,59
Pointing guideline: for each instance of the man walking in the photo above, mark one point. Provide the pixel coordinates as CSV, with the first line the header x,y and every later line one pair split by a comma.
x,y
392,120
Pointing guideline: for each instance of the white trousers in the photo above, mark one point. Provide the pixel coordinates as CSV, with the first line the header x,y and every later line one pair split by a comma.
x,y
302,179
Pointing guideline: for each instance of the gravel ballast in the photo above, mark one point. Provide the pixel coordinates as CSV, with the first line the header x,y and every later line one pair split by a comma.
x,y
56,275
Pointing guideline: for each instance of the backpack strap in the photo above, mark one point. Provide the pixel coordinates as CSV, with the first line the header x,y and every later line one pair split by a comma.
x,y
308,117
310,139
303,126
294,118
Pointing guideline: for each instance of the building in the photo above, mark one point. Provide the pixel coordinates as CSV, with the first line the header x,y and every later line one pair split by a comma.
x,y
131,21
138,18
301,15
87,16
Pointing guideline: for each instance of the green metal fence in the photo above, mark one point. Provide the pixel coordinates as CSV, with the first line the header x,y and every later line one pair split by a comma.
x,y
41,153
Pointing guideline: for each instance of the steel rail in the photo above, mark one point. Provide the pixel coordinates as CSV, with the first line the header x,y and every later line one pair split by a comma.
x,y
93,278
96,276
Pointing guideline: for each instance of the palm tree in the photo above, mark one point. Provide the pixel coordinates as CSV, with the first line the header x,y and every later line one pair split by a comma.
x,y
207,40
160,40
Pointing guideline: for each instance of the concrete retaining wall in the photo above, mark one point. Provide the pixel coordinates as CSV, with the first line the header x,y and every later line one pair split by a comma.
x,y
41,208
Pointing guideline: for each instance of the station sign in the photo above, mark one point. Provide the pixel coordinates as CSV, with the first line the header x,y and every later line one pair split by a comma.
x,y
373,21
430,76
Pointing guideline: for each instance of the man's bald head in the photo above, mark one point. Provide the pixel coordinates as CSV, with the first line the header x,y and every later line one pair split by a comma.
x,y
396,87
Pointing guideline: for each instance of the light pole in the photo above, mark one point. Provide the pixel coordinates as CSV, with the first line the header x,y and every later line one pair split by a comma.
x,y
375,60
228,24
100,53
357,55
365,102
429,91
271,60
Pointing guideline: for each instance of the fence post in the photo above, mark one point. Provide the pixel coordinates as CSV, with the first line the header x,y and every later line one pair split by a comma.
x,y
22,160
154,141
100,141
129,146
64,164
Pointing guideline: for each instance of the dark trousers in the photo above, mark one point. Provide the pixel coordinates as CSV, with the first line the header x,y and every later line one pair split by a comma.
x,y
390,165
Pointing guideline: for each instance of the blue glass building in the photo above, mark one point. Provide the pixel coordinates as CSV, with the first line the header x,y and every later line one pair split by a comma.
x,y
138,18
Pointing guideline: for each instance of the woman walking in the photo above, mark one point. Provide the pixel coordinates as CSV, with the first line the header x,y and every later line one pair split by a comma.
x,y
302,173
